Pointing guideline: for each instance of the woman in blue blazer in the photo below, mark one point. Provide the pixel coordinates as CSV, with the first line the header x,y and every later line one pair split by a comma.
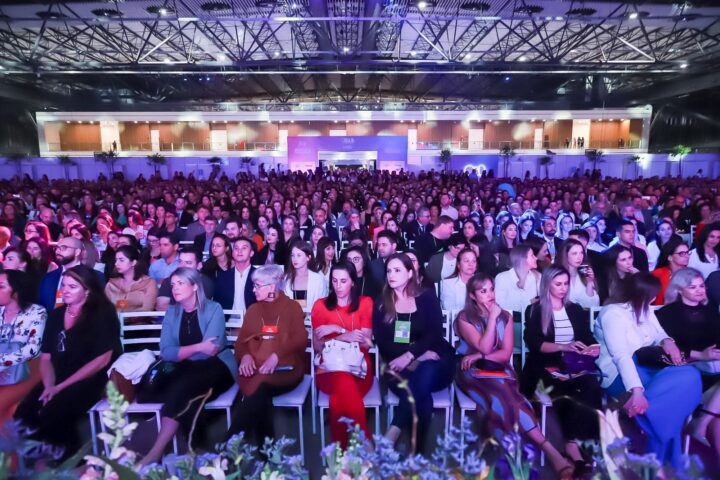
x,y
198,364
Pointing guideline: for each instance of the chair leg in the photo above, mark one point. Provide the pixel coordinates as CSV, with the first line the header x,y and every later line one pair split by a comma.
x,y
377,420
322,428
302,438
93,432
543,423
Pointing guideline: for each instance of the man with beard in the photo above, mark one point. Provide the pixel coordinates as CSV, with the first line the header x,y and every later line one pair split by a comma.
x,y
68,253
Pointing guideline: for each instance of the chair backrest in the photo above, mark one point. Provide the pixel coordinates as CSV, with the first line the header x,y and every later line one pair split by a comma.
x,y
148,334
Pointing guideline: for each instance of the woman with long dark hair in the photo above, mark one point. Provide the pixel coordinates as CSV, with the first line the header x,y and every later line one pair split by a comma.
x,y
220,256
557,333
346,316
81,339
42,259
674,256
301,283
486,347
664,231
704,257
130,289
660,392
618,265
407,326
583,289
505,242
365,281
325,258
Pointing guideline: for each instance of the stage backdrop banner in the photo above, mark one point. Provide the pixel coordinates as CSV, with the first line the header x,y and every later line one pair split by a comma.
x,y
392,151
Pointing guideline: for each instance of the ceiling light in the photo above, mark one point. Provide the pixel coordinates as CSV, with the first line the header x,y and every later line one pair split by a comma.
x,y
67,121
79,121
147,121
633,16
413,53
422,4
277,54
135,121
222,57
559,19
162,11
292,121
523,58
2,68
167,60
346,49
683,65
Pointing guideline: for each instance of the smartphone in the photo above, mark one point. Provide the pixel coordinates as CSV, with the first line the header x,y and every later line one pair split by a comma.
x,y
285,368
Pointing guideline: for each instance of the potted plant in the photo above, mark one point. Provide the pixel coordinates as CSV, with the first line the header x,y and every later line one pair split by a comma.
x,y
595,157
545,162
108,158
156,161
445,156
506,153
678,153
66,163
216,165
635,160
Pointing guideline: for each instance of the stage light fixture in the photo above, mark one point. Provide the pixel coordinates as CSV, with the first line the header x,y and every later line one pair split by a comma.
x,y
683,65
633,16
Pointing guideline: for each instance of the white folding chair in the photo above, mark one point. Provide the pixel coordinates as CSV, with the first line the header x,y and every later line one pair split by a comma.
x,y
372,400
296,399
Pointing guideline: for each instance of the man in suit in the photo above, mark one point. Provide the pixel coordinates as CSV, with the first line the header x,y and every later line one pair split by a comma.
x,y
203,241
189,258
234,288
185,218
320,218
548,224
386,245
47,216
420,226
433,242
626,237
68,253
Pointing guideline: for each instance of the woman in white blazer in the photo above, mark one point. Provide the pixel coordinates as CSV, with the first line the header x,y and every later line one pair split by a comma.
x,y
659,398
301,283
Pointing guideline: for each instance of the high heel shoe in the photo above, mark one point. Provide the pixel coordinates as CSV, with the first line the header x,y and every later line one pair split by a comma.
x,y
701,437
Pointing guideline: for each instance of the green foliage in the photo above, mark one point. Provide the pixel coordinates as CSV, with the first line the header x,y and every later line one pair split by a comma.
x,y
66,161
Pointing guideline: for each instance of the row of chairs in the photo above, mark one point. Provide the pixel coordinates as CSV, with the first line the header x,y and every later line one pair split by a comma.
x,y
148,334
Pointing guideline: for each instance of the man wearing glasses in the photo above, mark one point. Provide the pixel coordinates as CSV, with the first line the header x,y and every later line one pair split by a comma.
x,y
421,226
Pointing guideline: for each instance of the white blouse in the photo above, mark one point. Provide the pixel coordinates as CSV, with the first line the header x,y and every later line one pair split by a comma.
x,y
452,293
578,294
511,297
653,253
706,268
620,335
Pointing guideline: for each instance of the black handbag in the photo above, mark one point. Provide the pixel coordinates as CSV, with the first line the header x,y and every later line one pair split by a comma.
x,y
652,356
157,377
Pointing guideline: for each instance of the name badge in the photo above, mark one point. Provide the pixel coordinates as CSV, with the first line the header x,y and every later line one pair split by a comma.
x,y
270,329
59,302
402,332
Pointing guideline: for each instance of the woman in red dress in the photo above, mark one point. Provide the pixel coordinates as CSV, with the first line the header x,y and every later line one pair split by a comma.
x,y
346,316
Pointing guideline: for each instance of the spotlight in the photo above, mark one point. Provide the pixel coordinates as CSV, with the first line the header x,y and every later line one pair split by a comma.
x,y
167,60
346,49
422,4
162,11
683,65
633,16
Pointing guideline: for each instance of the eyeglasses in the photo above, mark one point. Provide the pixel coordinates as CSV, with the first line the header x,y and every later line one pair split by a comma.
x,y
61,341
62,248
684,253
355,259
258,286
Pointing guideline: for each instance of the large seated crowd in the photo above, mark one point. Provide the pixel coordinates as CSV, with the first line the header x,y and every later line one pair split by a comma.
x,y
490,285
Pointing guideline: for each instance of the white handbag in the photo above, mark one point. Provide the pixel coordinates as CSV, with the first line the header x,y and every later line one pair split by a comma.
x,y
339,356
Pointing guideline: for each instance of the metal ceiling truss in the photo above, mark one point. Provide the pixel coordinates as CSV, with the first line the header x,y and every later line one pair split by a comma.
x,y
289,40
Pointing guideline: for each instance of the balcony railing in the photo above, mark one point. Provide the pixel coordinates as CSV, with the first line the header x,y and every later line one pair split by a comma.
x,y
520,145
166,147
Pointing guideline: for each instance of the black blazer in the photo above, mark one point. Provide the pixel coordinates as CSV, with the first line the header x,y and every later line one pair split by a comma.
x,y
534,337
427,245
225,289
261,257
640,260
412,230
199,243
